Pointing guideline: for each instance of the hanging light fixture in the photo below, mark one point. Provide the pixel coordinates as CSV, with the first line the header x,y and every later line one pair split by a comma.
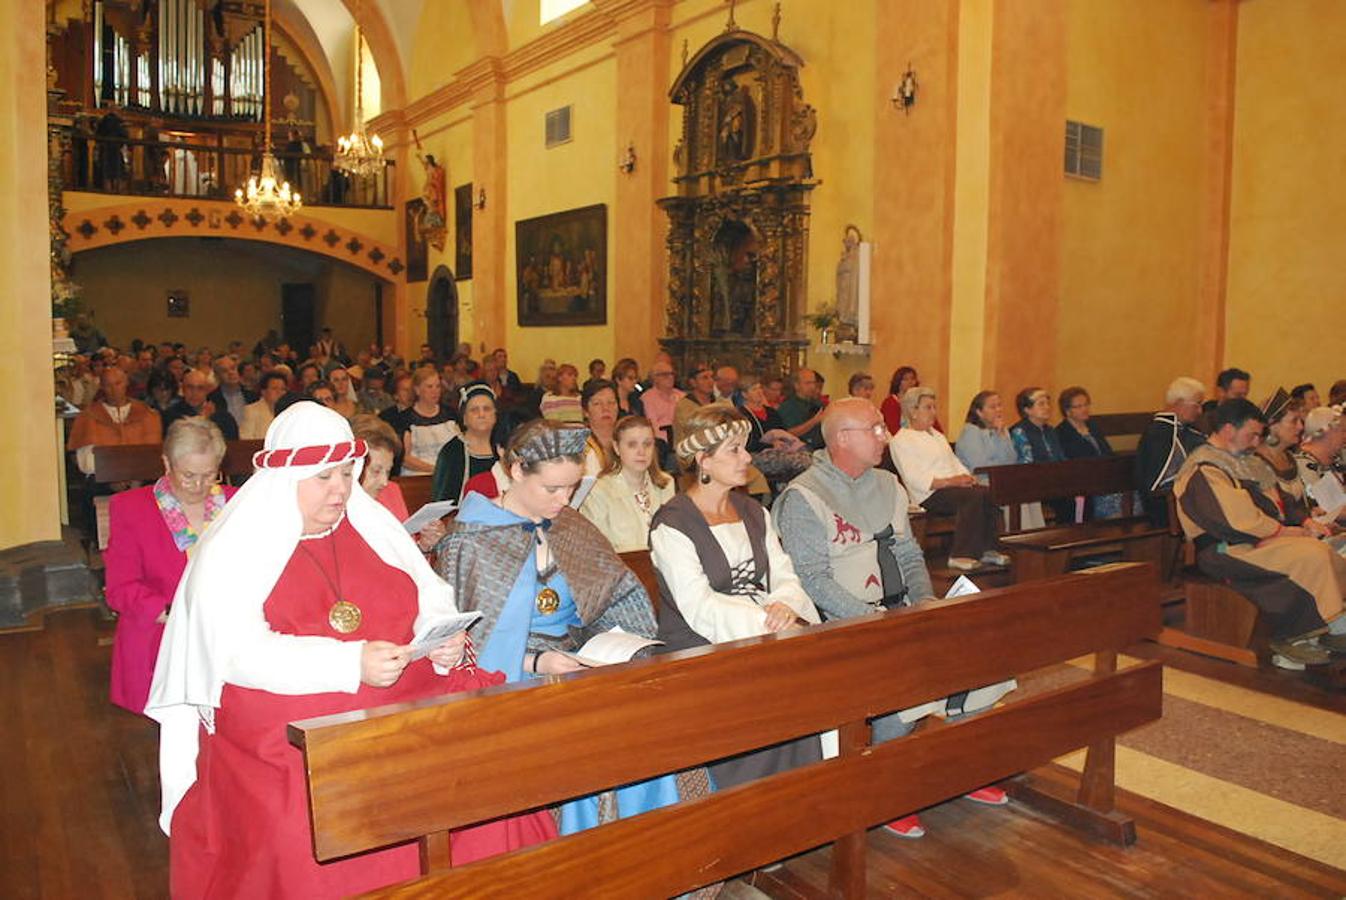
x,y
358,153
267,196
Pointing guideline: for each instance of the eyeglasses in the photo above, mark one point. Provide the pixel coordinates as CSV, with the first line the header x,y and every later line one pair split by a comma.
x,y
661,374
187,479
878,429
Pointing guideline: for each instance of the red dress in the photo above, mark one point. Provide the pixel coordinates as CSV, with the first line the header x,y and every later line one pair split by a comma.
x,y
242,830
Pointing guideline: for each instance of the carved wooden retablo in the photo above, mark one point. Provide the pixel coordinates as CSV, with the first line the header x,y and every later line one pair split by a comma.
x,y
738,233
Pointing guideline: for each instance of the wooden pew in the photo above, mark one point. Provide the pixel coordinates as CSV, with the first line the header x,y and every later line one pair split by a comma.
x,y
1218,621
144,462
639,562
415,490
1123,430
415,771
1049,551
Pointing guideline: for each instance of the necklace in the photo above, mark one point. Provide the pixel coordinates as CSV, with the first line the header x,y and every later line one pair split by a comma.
x,y
548,600
343,616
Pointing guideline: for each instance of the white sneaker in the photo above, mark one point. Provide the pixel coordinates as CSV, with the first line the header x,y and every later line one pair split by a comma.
x,y
964,563
995,558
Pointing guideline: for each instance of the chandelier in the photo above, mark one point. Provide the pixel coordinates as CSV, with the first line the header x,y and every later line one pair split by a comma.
x,y
267,196
358,153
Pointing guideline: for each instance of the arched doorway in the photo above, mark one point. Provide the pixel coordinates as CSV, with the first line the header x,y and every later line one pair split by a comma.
x,y
441,313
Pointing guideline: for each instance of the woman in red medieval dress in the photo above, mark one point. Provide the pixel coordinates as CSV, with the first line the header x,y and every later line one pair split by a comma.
x,y
301,601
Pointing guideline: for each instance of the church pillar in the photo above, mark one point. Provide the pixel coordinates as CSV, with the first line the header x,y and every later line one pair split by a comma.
x,y
1026,187
1209,328
638,226
486,81
397,312
911,286
29,487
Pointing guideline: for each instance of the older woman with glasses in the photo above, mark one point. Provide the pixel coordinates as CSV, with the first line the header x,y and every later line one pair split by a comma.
x,y
151,532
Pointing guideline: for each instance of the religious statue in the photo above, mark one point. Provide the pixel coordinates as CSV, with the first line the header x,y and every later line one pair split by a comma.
x,y
736,136
848,283
432,222
734,280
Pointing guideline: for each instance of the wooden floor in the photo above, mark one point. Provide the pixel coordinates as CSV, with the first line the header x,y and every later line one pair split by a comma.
x,y
79,798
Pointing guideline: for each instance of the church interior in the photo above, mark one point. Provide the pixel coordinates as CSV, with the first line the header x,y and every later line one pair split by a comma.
x,y
996,193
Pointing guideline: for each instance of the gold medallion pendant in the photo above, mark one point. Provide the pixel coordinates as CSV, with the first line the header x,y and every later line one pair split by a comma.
x,y
548,601
344,616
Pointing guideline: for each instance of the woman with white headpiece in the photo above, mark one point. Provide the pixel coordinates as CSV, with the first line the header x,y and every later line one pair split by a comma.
x,y
723,574
299,601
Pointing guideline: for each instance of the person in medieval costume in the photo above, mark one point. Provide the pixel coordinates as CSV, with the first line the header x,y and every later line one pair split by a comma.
x,y
546,580
1165,444
722,573
1287,571
300,600
844,524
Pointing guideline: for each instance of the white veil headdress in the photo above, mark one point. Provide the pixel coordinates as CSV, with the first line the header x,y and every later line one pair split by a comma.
x,y
217,631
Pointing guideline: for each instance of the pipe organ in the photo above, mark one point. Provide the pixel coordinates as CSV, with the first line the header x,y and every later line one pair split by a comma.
x,y
180,58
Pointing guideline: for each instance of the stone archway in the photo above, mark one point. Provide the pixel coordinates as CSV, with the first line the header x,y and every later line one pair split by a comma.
x,y
147,218
441,313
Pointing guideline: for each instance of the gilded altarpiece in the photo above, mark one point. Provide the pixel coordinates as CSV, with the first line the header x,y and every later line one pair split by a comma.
x,y
738,236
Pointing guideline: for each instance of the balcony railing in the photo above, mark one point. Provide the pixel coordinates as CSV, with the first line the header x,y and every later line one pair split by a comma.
x,y
171,169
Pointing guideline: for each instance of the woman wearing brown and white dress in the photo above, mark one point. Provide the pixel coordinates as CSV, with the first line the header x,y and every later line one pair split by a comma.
x,y
722,572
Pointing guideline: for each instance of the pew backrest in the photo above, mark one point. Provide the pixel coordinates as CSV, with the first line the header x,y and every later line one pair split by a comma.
x,y
377,777
144,462
415,490
1089,477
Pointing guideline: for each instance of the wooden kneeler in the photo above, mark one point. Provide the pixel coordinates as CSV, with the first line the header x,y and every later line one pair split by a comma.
x,y
415,771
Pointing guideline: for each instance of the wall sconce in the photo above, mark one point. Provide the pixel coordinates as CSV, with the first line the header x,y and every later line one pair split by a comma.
x,y
480,202
904,95
627,161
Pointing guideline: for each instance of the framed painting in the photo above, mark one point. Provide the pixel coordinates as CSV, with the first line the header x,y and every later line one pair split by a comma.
x,y
418,252
561,264
462,231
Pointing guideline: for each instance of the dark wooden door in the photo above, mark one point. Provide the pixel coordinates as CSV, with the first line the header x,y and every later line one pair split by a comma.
x,y
441,314
297,302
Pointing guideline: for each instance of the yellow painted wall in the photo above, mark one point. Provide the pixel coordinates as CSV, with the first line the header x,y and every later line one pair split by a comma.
x,y
579,173
234,288
967,319
1287,282
1132,241
450,46
29,493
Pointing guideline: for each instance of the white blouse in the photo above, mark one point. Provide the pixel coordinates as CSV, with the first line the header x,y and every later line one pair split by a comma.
x,y
727,617
921,457
613,508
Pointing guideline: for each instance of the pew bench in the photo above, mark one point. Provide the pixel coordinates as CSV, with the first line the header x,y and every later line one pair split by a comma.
x,y
1045,551
415,771
1218,621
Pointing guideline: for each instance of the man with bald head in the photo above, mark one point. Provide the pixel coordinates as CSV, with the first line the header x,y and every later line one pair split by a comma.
x,y
112,418
844,524
195,402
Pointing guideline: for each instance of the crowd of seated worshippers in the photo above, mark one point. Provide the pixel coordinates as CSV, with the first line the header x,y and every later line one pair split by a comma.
x,y
826,535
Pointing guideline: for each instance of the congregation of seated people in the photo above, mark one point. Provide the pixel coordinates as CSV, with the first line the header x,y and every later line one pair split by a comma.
x,y
765,505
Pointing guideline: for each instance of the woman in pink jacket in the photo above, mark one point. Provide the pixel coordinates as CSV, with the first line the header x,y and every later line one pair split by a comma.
x,y
151,531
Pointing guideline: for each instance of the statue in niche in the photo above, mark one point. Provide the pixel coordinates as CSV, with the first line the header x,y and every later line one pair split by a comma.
x,y
736,136
848,283
734,280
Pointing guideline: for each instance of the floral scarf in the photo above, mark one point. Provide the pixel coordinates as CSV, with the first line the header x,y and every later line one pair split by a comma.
x,y
175,517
